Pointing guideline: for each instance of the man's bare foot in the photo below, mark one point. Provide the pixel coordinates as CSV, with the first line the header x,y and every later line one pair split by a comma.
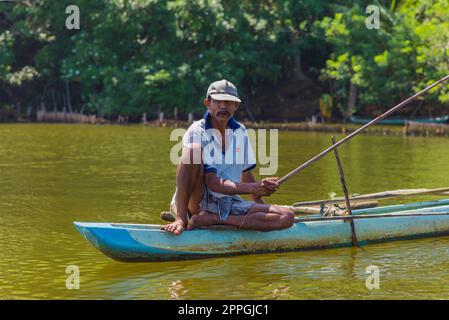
x,y
176,227
202,219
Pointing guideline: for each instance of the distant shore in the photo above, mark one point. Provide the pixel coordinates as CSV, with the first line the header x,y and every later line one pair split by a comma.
x,y
344,128
427,130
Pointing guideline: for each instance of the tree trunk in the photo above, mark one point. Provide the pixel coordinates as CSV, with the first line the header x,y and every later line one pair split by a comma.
x,y
29,112
294,39
67,90
297,66
64,98
250,114
55,105
352,100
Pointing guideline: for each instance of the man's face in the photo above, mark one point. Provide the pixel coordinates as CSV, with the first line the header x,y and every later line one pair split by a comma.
x,y
221,110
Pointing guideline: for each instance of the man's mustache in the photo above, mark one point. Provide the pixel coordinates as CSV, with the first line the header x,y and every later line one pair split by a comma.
x,y
224,112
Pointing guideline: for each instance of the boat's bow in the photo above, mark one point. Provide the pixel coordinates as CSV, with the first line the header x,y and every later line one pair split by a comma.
x,y
117,242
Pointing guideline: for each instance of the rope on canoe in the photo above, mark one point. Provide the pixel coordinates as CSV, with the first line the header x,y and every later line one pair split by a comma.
x,y
332,210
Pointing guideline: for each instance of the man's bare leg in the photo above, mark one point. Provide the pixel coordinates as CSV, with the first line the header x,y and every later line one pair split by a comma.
x,y
261,217
203,219
190,188
197,190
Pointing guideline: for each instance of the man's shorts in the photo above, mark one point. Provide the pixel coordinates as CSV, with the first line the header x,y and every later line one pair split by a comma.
x,y
224,206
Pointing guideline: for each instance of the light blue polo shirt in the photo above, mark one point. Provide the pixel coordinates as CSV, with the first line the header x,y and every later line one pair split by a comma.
x,y
227,164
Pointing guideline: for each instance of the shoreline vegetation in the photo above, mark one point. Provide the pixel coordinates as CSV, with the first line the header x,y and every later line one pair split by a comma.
x,y
410,129
289,59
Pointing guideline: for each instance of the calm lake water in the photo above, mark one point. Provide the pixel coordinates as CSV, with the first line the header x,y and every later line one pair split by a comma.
x,y
52,175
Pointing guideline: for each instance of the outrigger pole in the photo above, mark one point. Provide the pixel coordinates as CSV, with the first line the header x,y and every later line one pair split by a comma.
x,y
345,191
361,129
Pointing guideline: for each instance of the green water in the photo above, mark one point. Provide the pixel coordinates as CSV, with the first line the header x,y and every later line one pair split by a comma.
x,y
52,175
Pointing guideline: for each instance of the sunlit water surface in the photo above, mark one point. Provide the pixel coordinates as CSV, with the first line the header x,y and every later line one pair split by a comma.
x,y
52,175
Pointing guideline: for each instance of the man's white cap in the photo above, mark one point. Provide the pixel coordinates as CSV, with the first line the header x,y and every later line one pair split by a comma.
x,y
223,90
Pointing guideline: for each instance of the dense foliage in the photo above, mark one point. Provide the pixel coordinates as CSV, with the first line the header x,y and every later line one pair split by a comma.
x,y
134,56
408,52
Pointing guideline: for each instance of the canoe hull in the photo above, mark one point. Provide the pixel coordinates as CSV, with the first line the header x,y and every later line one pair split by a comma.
x,y
125,242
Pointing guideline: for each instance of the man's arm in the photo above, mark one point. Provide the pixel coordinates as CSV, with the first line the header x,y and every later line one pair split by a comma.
x,y
248,176
265,187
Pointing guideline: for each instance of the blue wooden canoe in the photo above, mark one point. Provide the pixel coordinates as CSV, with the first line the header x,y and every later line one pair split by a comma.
x,y
396,121
140,242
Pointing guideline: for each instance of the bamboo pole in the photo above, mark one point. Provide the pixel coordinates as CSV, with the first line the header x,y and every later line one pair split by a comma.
x,y
345,191
361,129
378,196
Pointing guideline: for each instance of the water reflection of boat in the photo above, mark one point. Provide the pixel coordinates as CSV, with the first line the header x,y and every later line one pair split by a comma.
x,y
139,242
402,121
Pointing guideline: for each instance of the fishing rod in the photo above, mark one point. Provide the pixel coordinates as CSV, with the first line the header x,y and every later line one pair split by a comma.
x,y
361,129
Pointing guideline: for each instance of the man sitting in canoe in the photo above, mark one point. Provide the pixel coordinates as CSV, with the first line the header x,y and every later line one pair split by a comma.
x,y
215,168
